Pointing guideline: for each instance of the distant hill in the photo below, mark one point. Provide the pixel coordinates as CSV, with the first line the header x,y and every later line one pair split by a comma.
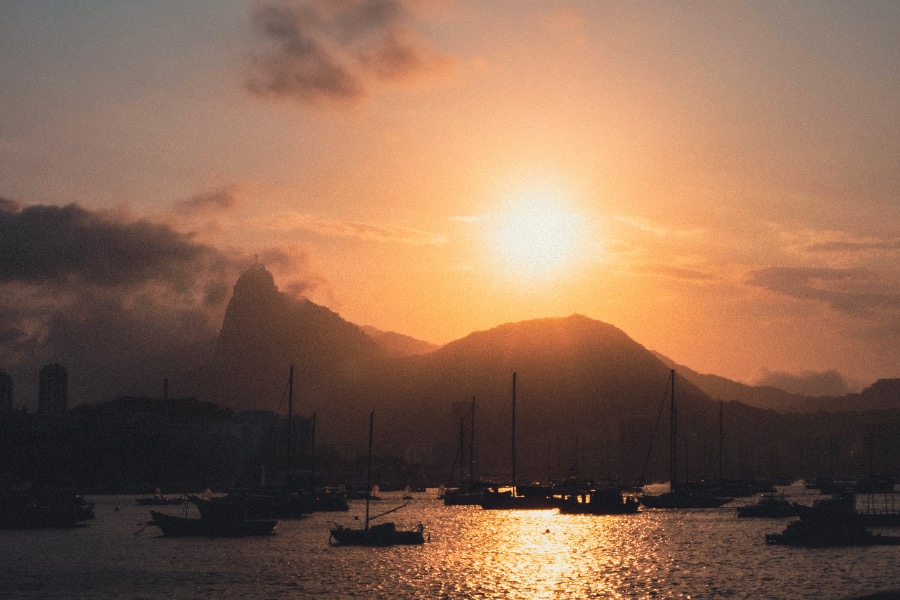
x,y
397,344
588,397
882,395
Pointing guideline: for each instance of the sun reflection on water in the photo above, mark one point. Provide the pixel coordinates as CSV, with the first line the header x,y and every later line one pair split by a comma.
x,y
542,554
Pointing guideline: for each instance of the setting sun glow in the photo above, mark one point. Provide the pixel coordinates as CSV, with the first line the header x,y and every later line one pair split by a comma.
x,y
537,235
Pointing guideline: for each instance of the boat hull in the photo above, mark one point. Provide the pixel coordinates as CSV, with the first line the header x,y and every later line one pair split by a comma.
x,y
385,534
172,526
627,506
683,500
827,534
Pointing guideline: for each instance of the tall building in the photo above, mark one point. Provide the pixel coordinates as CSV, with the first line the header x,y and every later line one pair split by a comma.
x,y
6,389
53,390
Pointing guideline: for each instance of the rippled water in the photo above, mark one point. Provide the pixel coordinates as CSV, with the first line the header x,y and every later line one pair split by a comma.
x,y
471,554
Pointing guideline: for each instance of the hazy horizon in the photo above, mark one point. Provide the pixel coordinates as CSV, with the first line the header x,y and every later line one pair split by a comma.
x,y
718,181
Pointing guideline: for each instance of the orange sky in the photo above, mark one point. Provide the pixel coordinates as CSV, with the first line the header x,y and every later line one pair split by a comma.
x,y
733,169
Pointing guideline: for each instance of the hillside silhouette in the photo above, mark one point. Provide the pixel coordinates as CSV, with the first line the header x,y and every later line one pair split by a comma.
x,y
589,398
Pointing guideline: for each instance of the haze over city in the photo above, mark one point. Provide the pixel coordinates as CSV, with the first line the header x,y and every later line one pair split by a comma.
x,y
719,181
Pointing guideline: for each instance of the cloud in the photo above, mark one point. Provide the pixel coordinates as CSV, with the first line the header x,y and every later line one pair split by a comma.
x,y
70,245
642,224
122,304
676,272
807,383
851,290
855,246
349,229
337,50
220,199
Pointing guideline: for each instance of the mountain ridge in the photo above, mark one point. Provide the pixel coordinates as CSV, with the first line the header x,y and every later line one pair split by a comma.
x,y
587,394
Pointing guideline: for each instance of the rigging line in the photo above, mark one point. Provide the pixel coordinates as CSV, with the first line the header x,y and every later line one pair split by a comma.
x,y
662,405
271,434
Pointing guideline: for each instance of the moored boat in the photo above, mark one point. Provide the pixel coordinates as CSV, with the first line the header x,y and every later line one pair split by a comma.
x,y
829,533
42,508
681,495
173,526
772,506
383,534
599,502
521,498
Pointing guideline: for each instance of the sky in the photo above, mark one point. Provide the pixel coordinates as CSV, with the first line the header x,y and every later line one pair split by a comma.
x,y
719,180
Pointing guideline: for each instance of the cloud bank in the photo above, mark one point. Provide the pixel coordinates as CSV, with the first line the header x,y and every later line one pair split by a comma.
x,y
337,50
122,304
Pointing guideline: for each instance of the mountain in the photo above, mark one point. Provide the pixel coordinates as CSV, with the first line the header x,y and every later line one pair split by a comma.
x,y
588,398
720,388
397,344
265,331
884,394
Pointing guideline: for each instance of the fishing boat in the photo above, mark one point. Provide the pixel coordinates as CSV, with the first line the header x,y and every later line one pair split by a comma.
x,y
382,534
681,495
599,502
216,520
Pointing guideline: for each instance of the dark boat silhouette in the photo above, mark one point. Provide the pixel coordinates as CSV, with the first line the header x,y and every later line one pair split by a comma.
x,y
216,520
772,506
42,508
599,502
842,506
681,495
289,500
471,492
532,497
821,533
383,534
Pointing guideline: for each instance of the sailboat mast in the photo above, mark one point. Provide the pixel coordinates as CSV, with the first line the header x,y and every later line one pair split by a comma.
x,y
462,448
721,437
312,455
514,433
472,445
369,467
290,430
673,437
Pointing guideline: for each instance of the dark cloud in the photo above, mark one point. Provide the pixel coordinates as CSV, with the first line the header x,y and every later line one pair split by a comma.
x,y
855,291
50,244
222,199
807,383
122,304
336,50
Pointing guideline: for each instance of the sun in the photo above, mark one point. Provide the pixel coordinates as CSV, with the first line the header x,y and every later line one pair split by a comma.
x,y
537,235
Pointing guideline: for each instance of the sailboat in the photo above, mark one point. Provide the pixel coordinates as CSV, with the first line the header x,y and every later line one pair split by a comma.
x,y
680,496
471,493
532,497
383,534
289,500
